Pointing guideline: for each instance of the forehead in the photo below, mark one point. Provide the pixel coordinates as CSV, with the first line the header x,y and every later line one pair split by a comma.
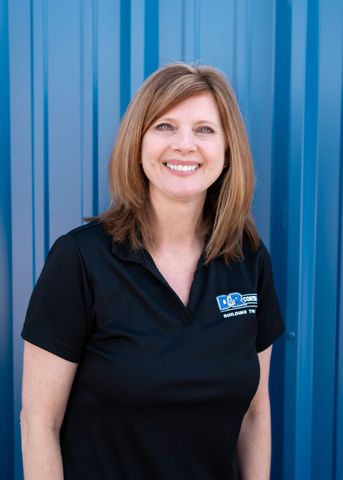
x,y
202,107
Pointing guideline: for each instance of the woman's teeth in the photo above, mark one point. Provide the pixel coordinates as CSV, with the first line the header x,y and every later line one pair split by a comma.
x,y
182,168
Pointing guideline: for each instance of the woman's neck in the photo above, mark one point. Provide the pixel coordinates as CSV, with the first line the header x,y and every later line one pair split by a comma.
x,y
177,223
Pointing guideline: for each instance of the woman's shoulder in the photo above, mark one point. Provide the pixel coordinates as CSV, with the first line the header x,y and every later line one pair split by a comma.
x,y
257,256
89,233
85,239
258,259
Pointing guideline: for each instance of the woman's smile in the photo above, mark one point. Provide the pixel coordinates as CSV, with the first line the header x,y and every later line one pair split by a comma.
x,y
182,168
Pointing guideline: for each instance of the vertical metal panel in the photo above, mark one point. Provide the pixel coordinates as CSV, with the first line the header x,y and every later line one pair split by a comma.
x,y
259,105
338,461
296,89
125,55
328,240
68,71
138,44
39,105
278,223
312,278
63,105
88,125
22,225
151,35
171,39
111,86
6,352
298,386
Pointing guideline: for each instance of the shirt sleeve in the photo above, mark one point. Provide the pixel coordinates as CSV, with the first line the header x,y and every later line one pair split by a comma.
x,y
59,316
269,319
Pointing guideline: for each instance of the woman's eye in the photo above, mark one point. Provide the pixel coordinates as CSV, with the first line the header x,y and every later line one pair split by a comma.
x,y
205,130
164,127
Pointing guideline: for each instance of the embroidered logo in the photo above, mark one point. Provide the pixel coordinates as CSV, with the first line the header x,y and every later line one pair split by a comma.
x,y
236,300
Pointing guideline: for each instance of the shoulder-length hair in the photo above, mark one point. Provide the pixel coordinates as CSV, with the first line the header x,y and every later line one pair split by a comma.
x,y
226,216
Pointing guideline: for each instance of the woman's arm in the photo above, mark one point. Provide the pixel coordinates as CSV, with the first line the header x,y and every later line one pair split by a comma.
x,y
254,442
47,381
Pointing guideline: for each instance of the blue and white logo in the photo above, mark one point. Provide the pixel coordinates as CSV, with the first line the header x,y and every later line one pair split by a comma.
x,y
236,300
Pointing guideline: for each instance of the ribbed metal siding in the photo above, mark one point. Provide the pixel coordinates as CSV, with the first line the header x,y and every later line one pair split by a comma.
x,y
6,353
68,70
313,360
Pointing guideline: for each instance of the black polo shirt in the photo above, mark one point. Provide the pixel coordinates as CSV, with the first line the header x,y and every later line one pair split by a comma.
x,y
161,388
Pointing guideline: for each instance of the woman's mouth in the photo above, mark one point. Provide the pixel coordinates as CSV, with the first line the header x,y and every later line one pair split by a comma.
x,y
182,167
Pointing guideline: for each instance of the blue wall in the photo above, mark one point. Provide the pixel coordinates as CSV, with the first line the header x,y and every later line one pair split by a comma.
x,y
6,351
68,70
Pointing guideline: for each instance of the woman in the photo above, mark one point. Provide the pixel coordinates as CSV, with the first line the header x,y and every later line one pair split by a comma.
x,y
148,335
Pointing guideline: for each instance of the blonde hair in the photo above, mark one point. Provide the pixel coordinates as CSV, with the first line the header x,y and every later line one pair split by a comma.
x,y
226,216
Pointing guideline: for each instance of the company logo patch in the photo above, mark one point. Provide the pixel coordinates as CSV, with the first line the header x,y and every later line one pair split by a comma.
x,y
236,300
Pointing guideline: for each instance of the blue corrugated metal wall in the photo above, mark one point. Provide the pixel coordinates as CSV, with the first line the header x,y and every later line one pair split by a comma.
x,y
67,72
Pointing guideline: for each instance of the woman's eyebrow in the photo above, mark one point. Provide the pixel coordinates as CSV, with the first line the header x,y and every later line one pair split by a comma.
x,y
199,121
208,122
166,119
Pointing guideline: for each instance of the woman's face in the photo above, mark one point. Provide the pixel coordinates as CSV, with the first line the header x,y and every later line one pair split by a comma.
x,y
183,152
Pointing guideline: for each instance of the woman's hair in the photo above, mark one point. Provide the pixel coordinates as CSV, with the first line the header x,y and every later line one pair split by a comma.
x,y
226,216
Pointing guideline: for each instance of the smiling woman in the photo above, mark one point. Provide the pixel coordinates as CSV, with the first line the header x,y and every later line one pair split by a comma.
x,y
226,212
149,332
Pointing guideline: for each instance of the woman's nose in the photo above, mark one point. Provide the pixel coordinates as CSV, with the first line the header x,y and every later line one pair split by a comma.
x,y
184,142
